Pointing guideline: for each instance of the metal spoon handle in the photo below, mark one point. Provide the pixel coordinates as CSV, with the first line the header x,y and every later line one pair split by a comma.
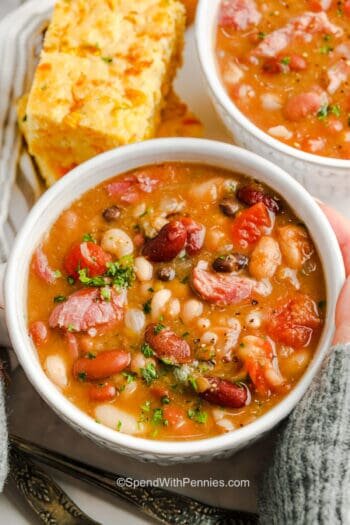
x,y
49,502
161,505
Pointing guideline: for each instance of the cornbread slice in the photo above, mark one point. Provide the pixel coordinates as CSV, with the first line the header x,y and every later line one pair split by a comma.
x,y
176,121
104,73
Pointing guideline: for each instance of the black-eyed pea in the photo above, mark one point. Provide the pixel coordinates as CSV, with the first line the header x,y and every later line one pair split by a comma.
x,y
209,338
265,259
254,319
203,323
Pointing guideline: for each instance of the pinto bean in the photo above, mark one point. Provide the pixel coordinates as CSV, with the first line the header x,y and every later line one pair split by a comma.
x,y
224,393
102,393
167,244
229,206
299,106
112,213
104,365
167,345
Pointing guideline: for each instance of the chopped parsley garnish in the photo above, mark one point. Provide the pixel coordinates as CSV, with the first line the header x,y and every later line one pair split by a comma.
x,y
88,237
146,407
59,299
193,383
151,290
322,112
129,376
70,280
261,35
322,304
198,415
106,293
108,60
122,272
185,334
327,109
82,376
24,119
185,279
285,61
158,328
71,328
326,49
147,350
147,307
119,425
165,400
149,373
91,355
84,278
57,274
158,417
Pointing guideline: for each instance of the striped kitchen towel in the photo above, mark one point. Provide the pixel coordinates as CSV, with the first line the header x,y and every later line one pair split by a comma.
x,y
20,43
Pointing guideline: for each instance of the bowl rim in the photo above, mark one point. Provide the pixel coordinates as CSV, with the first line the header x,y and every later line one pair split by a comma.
x,y
206,23
16,314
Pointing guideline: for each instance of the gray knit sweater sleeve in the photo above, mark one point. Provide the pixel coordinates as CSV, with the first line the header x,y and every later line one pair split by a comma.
x,y
308,480
3,438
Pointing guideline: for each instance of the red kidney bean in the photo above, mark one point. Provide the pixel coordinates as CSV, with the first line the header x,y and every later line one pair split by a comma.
x,y
102,393
195,235
102,366
273,66
167,345
252,194
167,244
224,393
39,332
73,346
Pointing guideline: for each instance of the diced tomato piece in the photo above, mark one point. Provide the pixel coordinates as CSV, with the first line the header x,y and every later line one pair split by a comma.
x,y
38,332
346,7
175,415
294,321
101,393
86,255
248,226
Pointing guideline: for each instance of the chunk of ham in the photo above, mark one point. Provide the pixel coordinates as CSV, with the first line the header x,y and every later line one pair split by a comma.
x,y
238,14
42,268
301,27
130,188
304,104
221,289
86,309
337,74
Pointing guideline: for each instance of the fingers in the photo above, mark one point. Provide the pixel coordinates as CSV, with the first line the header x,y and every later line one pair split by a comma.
x,y
341,226
342,317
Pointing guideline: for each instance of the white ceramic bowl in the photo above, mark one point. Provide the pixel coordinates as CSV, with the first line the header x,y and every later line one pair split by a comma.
x,y
324,177
118,161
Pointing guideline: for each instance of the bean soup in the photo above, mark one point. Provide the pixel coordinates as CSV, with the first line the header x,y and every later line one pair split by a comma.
x,y
177,301
286,65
